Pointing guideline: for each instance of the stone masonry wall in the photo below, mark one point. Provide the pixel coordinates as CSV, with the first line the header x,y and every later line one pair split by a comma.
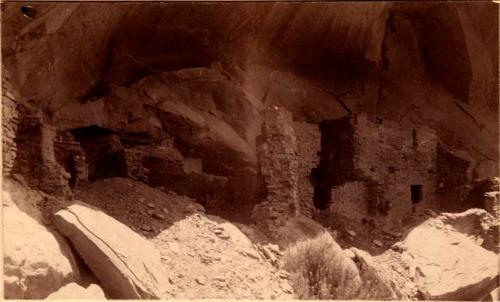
x,y
9,126
454,176
308,147
387,158
71,157
162,165
54,178
336,159
277,154
164,151
349,200
36,160
395,158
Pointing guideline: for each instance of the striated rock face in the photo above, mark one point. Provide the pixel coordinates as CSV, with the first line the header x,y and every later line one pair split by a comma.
x,y
389,60
125,271
37,261
197,79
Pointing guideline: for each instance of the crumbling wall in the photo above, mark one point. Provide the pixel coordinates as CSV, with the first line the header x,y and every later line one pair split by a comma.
x,y
308,147
136,158
36,160
277,154
454,176
162,165
133,159
336,159
386,157
485,194
350,200
396,158
71,157
9,125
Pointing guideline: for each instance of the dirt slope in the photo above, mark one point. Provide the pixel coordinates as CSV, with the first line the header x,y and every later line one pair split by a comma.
x,y
205,256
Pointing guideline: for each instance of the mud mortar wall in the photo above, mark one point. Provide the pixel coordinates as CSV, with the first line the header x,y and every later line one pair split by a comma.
x,y
336,159
349,200
369,168
454,179
71,157
9,126
278,164
308,148
35,158
396,158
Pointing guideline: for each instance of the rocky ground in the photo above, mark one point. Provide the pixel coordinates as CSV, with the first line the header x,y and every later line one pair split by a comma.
x,y
210,258
190,254
206,256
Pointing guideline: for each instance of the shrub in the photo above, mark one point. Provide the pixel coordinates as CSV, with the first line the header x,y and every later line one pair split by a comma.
x,y
319,270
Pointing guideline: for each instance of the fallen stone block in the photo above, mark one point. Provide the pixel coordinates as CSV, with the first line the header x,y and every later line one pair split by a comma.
x,y
127,266
450,265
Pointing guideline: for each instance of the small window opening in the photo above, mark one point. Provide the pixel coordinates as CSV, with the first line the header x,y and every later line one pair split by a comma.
x,y
416,193
392,170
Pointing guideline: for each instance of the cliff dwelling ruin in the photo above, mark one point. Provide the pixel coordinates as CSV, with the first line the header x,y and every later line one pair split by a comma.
x,y
182,150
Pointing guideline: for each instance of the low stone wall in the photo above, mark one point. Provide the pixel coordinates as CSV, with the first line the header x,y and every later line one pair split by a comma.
x,y
162,165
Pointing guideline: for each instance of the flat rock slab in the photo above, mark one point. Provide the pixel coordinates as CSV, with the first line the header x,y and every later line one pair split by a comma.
x,y
126,264
446,264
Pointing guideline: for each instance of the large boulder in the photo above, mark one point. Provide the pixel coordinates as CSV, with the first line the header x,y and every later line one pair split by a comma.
x,y
75,291
37,261
446,264
127,266
477,224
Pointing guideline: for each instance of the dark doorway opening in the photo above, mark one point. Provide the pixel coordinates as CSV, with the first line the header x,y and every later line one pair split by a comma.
x,y
103,152
336,160
416,193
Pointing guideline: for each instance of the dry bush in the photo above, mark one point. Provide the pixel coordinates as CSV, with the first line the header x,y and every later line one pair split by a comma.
x,y
320,271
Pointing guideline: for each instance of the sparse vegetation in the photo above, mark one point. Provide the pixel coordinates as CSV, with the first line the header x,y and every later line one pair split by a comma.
x,y
319,270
